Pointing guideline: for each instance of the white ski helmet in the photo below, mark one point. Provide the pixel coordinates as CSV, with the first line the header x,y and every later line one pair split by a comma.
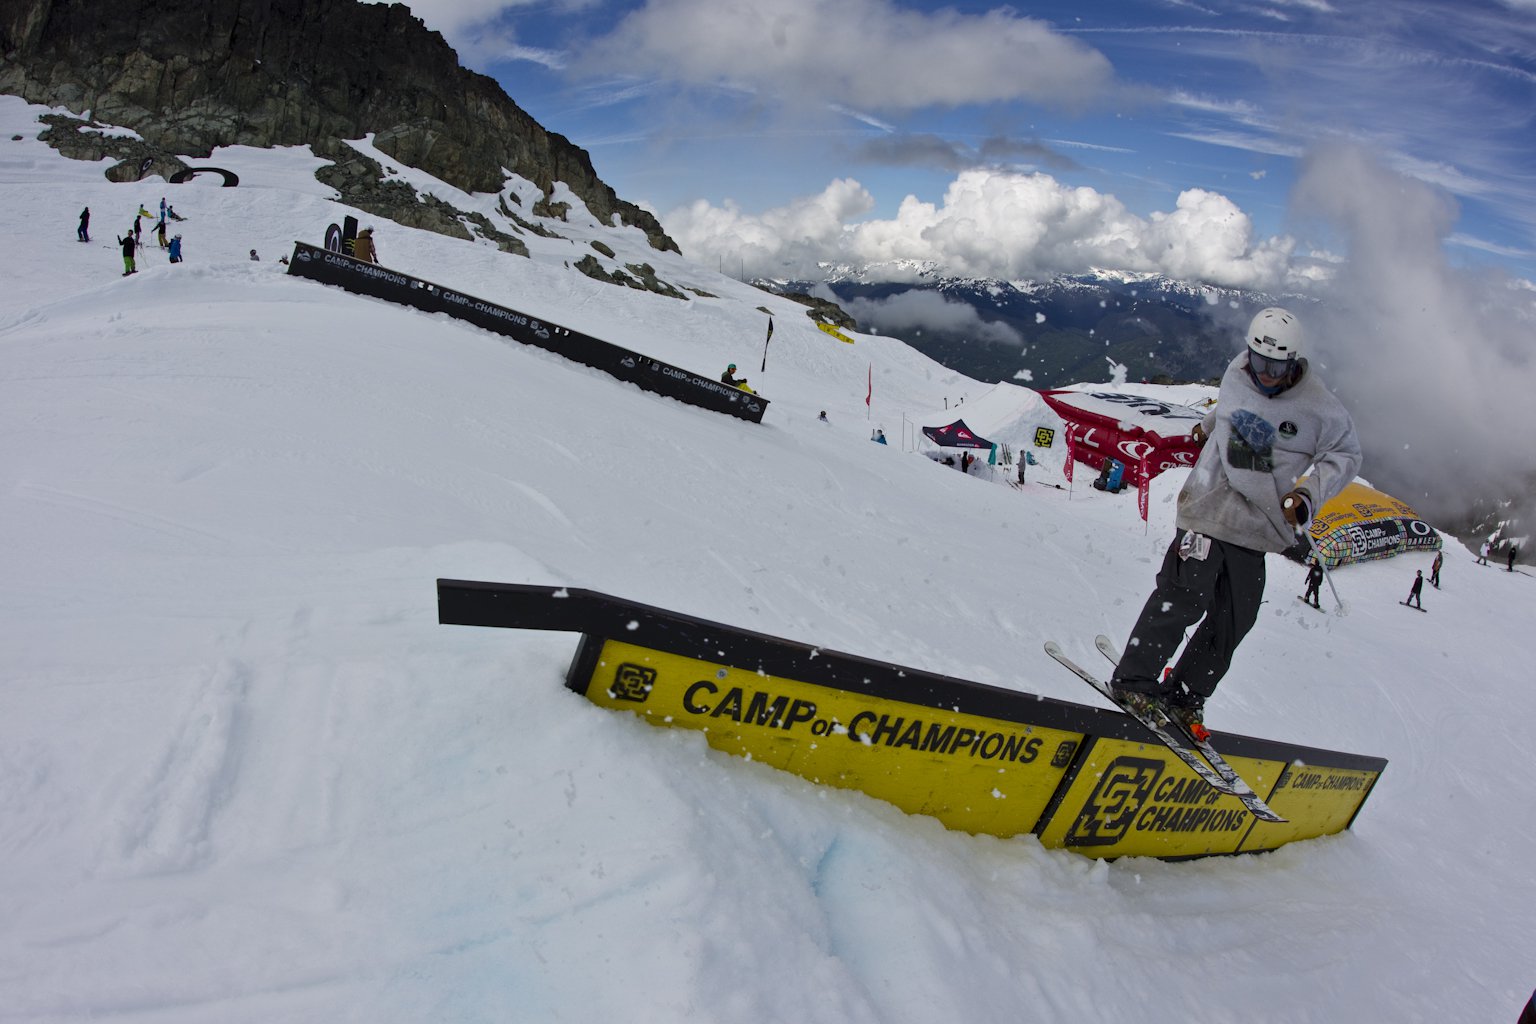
x,y
1275,334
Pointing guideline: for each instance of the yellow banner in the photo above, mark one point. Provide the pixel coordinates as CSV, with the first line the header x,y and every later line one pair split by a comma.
x,y
839,335
972,773
1357,503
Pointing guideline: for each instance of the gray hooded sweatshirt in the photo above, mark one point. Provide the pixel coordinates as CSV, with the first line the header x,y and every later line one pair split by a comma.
x,y
1257,448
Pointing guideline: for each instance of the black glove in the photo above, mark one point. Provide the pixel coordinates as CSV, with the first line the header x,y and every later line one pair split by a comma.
x,y
1297,506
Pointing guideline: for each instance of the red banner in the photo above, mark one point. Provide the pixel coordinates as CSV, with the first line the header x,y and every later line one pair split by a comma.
x,y
1147,436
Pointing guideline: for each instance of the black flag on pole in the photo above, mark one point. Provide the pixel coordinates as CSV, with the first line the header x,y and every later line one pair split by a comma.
x,y
766,340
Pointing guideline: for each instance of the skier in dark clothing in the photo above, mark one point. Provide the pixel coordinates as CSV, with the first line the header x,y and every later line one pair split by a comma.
x,y
1418,589
129,244
1314,582
1272,420
85,224
1513,553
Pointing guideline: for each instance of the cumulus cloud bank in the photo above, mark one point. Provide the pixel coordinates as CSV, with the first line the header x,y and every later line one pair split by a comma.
x,y
992,223
915,311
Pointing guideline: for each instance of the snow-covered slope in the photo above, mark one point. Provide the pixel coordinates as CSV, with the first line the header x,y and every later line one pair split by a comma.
x,y
246,776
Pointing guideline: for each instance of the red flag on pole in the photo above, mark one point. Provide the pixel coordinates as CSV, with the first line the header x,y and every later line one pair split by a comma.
x,y
1143,486
1066,469
871,392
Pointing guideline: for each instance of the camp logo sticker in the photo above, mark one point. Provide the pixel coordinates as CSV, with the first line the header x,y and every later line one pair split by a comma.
x,y
1063,755
632,682
1287,429
1110,809
1044,437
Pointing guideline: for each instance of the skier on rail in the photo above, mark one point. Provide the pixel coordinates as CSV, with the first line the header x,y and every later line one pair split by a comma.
x,y
1272,420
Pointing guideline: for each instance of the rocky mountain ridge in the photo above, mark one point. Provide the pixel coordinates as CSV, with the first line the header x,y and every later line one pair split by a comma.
x,y
191,75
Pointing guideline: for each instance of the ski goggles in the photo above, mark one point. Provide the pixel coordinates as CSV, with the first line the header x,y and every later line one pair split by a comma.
x,y
1265,366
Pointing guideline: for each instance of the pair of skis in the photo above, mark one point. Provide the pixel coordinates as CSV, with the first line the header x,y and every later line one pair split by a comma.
x,y
1202,758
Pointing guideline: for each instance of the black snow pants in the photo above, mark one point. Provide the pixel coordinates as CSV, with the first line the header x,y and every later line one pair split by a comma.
x,y
1226,587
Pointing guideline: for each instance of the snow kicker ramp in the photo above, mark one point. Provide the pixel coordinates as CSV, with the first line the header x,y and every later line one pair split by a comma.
x,y
364,278
979,758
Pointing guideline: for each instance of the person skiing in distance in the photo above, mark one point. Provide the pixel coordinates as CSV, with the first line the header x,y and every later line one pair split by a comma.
x,y
1418,589
1273,419
1314,583
1483,552
129,244
1434,569
1514,553
85,224
176,249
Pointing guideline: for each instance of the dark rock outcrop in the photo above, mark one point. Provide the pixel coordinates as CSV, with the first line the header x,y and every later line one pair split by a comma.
x,y
189,75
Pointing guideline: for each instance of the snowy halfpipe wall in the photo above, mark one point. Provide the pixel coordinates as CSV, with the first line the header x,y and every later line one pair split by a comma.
x,y
979,758
355,275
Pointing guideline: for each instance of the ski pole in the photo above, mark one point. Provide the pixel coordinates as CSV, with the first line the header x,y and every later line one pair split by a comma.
x,y
1324,564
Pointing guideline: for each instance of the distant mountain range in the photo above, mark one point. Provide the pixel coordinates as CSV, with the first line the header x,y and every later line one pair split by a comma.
x,y
1048,333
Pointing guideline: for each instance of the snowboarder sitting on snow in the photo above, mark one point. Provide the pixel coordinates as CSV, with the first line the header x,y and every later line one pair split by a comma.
x,y
1314,581
1272,419
1418,589
729,377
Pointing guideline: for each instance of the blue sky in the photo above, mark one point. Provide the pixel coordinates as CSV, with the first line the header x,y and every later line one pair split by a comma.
x,y
1011,141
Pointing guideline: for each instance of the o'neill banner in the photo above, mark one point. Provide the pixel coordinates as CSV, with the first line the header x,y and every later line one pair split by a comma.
x,y
1145,434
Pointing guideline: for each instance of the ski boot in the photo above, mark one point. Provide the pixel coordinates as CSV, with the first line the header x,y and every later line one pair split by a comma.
x,y
1189,716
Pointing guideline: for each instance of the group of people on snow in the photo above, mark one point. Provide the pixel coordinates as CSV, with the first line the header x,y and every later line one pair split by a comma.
x,y
133,241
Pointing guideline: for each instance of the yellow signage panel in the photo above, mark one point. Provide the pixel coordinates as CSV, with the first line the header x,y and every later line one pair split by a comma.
x,y
839,335
1319,801
972,773
1138,800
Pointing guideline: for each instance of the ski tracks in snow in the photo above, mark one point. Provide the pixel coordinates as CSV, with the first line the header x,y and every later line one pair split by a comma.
x,y
163,824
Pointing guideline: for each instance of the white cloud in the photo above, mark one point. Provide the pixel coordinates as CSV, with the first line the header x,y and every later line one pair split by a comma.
x,y
911,311
1434,361
991,223
868,54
